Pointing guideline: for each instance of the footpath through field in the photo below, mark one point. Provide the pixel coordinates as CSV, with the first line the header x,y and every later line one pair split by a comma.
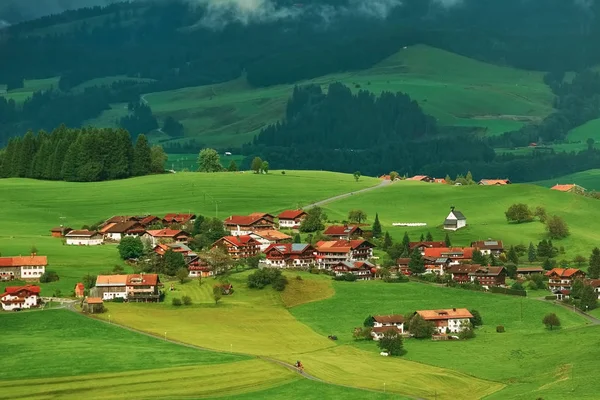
x,y
345,195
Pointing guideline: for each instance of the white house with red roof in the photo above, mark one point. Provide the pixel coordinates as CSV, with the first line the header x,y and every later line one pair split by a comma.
x,y
20,297
155,237
384,323
84,237
291,219
330,253
286,255
455,254
30,267
269,237
446,321
239,225
560,280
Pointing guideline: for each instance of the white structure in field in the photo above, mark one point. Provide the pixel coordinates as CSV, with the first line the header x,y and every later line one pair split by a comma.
x,y
455,220
84,238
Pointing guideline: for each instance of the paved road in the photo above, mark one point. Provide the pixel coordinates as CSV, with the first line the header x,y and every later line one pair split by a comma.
x,y
593,320
343,196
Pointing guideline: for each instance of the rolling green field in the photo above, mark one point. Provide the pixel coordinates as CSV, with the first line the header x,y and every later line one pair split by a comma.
x,y
484,208
457,90
189,161
589,179
31,208
30,86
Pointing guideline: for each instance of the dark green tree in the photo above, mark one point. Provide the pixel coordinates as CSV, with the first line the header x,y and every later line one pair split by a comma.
x,y
447,240
172,127
130,247
232,166
209,161
406,242
422,238
476,320
159,159
557,227
429,237
547,265
478,258
551,320
416,263
197,227
173,262
387,241
182,275
314,221
512,256
577,288
531,253
376,226
519,213
420,328
594,268
589,298
391,342
256,164
297,238
142,157
369,321
356,175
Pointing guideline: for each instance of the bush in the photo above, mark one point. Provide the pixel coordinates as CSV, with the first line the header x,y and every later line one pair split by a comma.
x,y
187,300
467,333
298,278
49,276
118,300
176,301
550,297
349,277
280,283
399,279
500,329
267,276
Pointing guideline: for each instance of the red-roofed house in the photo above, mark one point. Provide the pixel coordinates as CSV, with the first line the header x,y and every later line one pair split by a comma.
x,y
238,247
59,231
452,320
291,219
79,290
150,220
343,232
84,237
22,267
20,297
362,269
180,219
572,188
117,230
421,246
456,254
384,323
290,255
489,246
331,253
240,225
437,266
166,236
494,182
420,178
143,287
269,237
439,180
560,280
594,283
489,276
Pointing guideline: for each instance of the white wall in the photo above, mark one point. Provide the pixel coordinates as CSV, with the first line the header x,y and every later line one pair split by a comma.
x,y
29,272
84,241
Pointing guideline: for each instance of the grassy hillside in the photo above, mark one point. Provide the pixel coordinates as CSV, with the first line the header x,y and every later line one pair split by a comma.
x,y
30,208
30,86
589,179
484,208
455,89
527,358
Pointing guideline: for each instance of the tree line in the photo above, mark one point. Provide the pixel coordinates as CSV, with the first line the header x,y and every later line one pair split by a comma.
x,y
80,155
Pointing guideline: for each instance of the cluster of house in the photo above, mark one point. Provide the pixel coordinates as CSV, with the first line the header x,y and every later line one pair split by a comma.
x,y
560,281
133,288
446,321
118,227
428,179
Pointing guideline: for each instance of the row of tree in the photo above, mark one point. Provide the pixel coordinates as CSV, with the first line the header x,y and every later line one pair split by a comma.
x,y
80,155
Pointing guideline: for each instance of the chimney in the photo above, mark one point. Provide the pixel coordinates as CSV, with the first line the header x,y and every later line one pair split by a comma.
x,y
454,309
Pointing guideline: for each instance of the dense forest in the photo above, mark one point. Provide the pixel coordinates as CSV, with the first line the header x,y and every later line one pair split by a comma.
x,y
80,155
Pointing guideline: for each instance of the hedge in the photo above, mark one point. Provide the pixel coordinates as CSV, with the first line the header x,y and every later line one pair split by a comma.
x,y
495,289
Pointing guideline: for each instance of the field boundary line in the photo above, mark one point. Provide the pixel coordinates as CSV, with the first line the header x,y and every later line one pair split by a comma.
x,y
346,195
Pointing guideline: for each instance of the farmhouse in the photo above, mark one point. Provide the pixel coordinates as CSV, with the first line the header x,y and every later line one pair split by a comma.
x,y
180,219
384,323
269,237
84,237
331,253
363,270
455,220
489,276
437,265
149,220
290,255
560,280
115,231
155,237
594,283
572,188
239,225
59,231
461,273
421,246
494,182
446,321
524,271
110,287
199,268
456,254
489,246
439,180
20,297
238,247
143,287
420,178
291,219
401,267
25,268
343,232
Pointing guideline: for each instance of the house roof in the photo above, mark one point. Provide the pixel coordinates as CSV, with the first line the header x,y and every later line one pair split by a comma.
x,y
166,233
418,178
564,273
412,245
339,230
119,218
148,219
238,240
261,215
389,319
121,227
451,313
272,234
464,268
355,264
458,215
291,214
12,290
439,180
94,300
491,182
565,188
181,218
488,271
111,280
530,269
402,261
20,261
340,246
244,220
60,229
106,227
81,232
384,329
595,283
142,280
289,248
464,253
488,244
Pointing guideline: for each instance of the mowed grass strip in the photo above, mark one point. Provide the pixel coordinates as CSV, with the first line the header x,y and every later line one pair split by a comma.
x,y
165,383
306,289
347,365
484,208
62,343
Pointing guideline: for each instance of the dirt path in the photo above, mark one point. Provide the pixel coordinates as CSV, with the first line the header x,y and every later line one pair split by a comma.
x,y
343,196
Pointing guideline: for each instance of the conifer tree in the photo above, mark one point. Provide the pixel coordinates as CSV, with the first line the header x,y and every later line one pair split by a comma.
x,y
531,253
447,240
594,269
512,256
142,157
387,241
429,237
406,242
376,226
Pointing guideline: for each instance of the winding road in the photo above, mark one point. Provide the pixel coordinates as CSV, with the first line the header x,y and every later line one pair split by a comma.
x,y
345,195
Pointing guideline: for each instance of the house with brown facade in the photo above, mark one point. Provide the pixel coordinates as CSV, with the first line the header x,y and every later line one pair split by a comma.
x,y
166,235
343,232
239,225
239,247
115,231
461,273
489,276
331,253
363,270
179,219
560,280
421,246
92,305
59,231
110,287
525,271
286,255
291,219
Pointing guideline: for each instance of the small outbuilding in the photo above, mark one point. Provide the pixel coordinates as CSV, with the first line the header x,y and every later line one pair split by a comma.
x,y
79,290
455,220
93,305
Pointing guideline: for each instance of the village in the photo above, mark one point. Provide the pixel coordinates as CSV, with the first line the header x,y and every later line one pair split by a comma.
x,y
344,251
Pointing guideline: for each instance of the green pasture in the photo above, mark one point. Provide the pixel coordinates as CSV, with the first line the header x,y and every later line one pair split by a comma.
x,y
109,118
456,90
525,358
61,343
189,161
30,86
484,208
589,179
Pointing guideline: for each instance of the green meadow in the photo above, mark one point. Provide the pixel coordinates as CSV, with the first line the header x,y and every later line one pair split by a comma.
x,y
29,86
484,208
589,179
